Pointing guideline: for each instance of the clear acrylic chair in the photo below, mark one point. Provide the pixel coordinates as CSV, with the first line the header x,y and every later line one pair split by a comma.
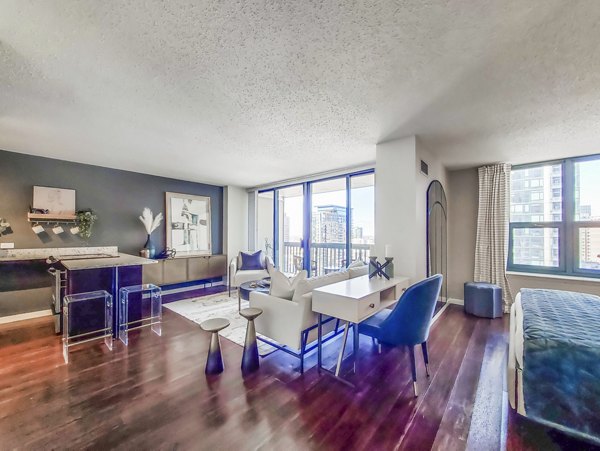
x,y
87,317
142,293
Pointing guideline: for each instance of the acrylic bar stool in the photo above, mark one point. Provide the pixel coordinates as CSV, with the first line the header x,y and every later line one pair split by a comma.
x,y
144,291
82,321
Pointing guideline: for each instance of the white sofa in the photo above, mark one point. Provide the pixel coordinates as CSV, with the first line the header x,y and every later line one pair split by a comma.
x,y
239,276
292,323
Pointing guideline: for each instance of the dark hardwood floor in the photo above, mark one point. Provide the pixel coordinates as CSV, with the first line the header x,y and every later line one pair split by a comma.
x,y
154,394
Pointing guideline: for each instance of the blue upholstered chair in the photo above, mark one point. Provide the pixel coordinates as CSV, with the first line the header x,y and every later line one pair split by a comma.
x,y
409,322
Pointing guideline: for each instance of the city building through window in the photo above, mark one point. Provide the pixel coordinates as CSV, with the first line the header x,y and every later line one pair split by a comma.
x,y
555,217
321,226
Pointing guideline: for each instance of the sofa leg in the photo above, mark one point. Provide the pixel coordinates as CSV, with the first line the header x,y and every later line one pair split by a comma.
x,y
303,351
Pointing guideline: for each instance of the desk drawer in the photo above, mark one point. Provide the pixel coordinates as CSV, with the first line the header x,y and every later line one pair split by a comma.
x,y
367,306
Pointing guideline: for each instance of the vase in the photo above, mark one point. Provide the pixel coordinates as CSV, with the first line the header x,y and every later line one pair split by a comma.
x,y
149,246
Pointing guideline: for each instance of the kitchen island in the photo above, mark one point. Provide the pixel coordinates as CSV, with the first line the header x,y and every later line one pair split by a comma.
x,y
80,274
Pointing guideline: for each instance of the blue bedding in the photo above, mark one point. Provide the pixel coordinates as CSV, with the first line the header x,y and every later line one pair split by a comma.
x,y
561,356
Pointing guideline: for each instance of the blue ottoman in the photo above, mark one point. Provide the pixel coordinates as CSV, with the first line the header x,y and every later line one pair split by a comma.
x,y
483,299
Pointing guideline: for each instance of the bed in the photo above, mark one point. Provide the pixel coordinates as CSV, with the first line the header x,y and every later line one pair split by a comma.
x,y
554,360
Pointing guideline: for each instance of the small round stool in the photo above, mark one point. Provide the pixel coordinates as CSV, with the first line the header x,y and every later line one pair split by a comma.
x,y
483,299
250,360
214,362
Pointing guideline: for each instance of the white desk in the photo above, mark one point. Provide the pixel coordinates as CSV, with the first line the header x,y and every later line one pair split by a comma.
x,y
353,301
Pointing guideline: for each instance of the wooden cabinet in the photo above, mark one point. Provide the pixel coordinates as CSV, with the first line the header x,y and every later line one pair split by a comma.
x,y
153,274
185,269
175,270
217,266
197,268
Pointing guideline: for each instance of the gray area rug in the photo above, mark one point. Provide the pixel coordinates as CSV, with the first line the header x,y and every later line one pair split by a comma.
x,y
218,306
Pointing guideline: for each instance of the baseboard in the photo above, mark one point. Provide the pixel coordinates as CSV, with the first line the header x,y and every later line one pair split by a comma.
x,y
24,316
456,301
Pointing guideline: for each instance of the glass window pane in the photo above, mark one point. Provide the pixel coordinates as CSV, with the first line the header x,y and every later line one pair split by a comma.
x,y
589,248
587,190
536,246
291,229
536,194
362,214
328,226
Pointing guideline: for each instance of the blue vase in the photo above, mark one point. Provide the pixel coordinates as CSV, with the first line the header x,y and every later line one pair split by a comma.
x,y
150,246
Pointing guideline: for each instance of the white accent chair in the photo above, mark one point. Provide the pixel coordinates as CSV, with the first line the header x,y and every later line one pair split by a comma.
x,y
239,276
291,323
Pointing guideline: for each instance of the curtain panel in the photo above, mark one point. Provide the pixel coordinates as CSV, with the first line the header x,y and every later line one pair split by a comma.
x,y
491,249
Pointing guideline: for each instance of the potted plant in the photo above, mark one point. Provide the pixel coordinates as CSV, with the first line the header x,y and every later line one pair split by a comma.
x,y
85,220
151,223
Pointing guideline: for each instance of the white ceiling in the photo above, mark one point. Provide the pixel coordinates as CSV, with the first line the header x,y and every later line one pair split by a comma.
x,y
250,92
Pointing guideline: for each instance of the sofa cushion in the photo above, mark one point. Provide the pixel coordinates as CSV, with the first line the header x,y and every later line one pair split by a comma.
x,y
358,271
252,261
307,285
284,287
248,276
357,264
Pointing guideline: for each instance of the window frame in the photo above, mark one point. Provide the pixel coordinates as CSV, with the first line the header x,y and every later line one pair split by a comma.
x,y
568,227
307,209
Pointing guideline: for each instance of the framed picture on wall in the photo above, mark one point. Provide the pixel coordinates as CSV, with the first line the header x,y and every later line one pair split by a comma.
x,y
188,224
55,200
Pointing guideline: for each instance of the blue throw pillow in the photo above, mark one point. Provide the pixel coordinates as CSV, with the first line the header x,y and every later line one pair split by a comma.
x,y
252,261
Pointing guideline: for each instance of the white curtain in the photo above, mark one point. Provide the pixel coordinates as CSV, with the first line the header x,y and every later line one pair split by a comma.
x,y
491,249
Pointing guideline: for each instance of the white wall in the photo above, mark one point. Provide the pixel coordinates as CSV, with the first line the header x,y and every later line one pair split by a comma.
x,y
395,207
235,220
264,222
401,203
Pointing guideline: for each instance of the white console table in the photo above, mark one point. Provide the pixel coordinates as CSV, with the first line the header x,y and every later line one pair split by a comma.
x,y
353,301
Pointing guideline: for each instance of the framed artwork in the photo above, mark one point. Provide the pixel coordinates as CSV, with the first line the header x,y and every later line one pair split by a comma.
x,y
188,224
55,200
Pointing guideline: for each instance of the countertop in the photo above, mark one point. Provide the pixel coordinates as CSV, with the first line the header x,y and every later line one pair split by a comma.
x,y
106,262
17,255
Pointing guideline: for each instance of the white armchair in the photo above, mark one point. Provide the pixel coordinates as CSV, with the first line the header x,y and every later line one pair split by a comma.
x,y
292,324
239,276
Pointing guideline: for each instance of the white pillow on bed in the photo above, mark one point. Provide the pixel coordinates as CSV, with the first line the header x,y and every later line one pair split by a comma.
x,y
283,286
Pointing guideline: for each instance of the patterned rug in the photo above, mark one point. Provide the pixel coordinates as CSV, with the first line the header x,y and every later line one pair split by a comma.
x,y
218,306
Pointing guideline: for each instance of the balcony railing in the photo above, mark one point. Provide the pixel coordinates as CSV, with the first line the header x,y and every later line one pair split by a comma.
x,y
324,257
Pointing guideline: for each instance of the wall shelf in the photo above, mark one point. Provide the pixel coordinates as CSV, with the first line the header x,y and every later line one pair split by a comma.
x,y
51,217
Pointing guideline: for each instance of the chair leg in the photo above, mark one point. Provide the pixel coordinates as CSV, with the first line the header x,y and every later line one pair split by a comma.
x,y
413,367
379,347
425,357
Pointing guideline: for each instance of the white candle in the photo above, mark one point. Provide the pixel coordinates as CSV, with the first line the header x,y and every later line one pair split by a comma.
x,y
388,250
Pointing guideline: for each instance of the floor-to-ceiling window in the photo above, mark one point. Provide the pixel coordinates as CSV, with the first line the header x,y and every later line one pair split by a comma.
x,y
321,225
362,215
328,231
290,228
265,232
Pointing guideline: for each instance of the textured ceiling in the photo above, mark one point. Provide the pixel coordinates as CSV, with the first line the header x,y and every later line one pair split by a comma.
x,y
239,92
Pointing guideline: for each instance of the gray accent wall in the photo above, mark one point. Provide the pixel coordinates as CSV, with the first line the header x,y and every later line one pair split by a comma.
x,y
463,203
118,198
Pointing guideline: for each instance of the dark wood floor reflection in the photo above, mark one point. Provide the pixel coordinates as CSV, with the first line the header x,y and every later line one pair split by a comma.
x,y
154,394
